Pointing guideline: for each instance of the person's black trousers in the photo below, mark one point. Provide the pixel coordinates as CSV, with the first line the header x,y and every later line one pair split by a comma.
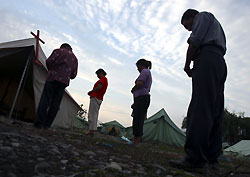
x,y
205,113
49,103
140,107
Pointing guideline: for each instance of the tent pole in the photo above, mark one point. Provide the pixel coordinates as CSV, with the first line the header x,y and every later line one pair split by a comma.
x,y
19,87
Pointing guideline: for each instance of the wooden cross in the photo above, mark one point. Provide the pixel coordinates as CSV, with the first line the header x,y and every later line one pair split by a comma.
x,y
37,45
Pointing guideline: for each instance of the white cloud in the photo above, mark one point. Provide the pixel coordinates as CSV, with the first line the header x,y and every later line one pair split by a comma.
x,y
87,77
69,37
116,6
114,34
112,44
121,37
114,61
104,25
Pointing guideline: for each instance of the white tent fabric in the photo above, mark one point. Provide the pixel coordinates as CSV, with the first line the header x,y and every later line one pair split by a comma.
x,y
240,149
69,107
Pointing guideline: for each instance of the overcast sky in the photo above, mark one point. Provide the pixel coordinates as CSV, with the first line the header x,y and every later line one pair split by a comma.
x,y
114,34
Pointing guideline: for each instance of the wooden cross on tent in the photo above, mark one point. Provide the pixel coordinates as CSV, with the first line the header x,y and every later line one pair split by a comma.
x,y
37,45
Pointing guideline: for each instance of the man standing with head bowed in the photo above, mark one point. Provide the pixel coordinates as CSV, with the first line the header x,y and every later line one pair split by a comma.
x,y
207,47
62,66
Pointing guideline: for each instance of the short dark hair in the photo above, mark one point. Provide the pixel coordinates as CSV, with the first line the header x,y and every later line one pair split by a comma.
x,y
145,63
66,45
188,14
101,71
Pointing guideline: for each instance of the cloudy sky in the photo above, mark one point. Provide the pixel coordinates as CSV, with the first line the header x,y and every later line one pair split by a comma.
x,y
114,34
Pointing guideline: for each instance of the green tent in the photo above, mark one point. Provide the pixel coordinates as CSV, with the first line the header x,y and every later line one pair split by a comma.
x,y
160,128
240,149
112,128
80,123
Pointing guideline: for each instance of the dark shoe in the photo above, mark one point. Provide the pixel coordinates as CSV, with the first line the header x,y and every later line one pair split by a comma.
x,y
183,163
38,126
213,169
137,141
49,129
46,128
89,133
214,166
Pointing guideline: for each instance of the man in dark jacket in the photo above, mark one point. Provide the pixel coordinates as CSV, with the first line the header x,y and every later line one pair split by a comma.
x,y
62,66
207,47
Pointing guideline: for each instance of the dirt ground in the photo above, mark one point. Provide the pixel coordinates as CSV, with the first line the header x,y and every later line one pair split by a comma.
x,y
26,151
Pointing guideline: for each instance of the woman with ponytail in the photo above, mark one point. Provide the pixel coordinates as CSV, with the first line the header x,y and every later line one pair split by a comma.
x,y
141,96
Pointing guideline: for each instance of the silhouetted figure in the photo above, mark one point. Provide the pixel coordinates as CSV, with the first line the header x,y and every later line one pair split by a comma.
x,y
96,98
207,47
141,96
62,66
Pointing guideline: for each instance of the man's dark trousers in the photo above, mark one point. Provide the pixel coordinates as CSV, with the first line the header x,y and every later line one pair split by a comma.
x,y
49,103
140,107
205,112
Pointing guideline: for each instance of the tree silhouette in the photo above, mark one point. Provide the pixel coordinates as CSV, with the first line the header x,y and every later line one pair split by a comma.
x,y
236,127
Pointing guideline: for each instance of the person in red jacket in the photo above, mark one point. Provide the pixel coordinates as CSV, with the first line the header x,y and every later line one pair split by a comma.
x,y
96,98
62,66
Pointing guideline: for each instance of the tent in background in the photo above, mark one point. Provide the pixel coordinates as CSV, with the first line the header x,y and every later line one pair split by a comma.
x,y
160,128
240,149
80,123
112,128
17,66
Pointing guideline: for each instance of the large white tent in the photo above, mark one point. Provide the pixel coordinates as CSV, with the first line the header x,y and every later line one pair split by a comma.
x,y
22,81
